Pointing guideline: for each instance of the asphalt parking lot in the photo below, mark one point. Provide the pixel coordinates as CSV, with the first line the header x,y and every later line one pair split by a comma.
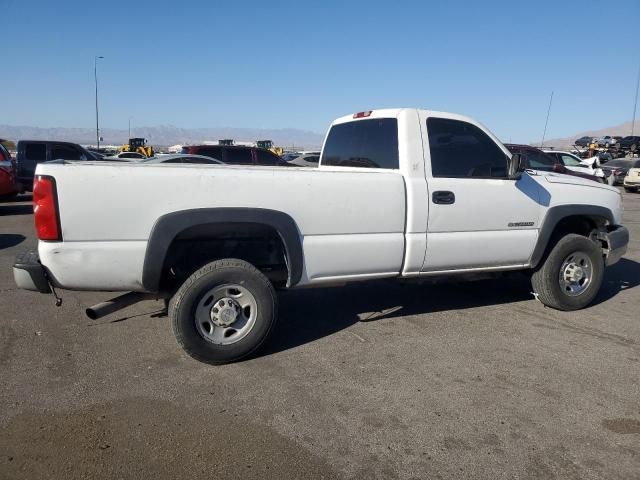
x,y
368,381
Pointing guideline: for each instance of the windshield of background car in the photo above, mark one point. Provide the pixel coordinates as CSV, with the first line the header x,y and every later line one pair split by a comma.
x,y
538,160
4,154
570,160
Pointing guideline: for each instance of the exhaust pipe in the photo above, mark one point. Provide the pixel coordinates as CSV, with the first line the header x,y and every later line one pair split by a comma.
x,y
105,308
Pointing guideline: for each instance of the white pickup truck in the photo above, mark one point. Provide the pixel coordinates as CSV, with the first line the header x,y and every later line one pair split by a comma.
x,y
399,193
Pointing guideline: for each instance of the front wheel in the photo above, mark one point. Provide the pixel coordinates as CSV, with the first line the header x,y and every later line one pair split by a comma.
x,y
224,311
570,276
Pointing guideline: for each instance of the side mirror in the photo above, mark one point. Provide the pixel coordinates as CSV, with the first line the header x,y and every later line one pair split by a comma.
x,y
514,166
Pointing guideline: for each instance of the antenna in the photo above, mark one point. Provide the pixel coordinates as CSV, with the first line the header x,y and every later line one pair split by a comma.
x,y
546,122
635,103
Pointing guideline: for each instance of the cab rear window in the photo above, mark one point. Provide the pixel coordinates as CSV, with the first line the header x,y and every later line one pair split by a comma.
x,y
369,143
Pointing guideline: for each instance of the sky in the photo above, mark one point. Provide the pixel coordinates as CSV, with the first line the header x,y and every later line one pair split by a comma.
x,y
272,64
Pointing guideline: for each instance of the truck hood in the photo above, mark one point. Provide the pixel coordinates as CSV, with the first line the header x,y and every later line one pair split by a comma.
x,y
572,180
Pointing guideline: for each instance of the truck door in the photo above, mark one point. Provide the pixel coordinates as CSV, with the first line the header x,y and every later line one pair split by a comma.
x,y
32,154
477,217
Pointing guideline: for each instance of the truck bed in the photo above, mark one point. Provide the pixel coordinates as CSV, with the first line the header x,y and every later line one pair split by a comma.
x,y
107,212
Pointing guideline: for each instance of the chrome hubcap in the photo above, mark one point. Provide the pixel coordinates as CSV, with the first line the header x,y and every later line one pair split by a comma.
x,y
226,314
575,274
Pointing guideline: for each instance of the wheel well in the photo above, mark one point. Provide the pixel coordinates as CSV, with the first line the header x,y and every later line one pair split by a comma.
x,y
259,244
586,226
578,224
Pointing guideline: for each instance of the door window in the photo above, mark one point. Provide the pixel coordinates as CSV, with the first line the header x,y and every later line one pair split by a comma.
x,y
65,152
266,157
461,150
239,156
36,152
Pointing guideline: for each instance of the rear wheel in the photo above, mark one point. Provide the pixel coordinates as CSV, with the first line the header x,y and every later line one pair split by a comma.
x,y
223,312
570,276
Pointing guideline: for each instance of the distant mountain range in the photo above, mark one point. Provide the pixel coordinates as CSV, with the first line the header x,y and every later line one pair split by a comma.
x,y
622,130
165,135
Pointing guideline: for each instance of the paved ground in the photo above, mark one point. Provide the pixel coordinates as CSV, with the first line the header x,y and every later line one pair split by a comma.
x,y
367,381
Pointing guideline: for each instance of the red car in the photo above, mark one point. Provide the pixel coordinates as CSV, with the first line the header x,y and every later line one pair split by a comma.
x,y
9,186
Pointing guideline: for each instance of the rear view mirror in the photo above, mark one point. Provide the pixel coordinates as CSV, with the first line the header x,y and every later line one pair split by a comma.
x,y
514,166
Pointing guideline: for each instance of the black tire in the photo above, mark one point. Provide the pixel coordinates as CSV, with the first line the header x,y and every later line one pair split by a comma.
x,y
545,278
221,272
630,190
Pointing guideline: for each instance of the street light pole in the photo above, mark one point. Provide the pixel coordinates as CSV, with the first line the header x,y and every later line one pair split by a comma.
x,y
95,77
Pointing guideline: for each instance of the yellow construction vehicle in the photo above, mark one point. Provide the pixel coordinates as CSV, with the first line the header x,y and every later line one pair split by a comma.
x,y
138,145
268,145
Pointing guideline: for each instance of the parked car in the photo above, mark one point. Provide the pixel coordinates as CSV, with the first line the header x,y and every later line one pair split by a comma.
x,y
182,158
606,141
9,185
535,159
288,156
218,241
236,154
30,153
583,141
630,143
617,169
631,181
126,155
307,160
590,166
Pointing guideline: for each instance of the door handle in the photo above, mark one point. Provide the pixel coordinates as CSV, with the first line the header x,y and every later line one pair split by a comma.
x,y
443,197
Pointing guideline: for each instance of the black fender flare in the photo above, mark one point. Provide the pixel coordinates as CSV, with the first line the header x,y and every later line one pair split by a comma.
x,y
555,215
168,226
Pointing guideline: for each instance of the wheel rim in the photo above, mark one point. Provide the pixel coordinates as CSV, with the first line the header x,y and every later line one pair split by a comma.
x,y
226,314
576,274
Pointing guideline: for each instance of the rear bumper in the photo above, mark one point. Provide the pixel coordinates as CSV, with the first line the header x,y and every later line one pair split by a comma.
x,y
29,274
617,238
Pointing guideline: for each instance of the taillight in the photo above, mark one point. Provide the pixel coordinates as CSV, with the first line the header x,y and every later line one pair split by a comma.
x,y
45,208
362,114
